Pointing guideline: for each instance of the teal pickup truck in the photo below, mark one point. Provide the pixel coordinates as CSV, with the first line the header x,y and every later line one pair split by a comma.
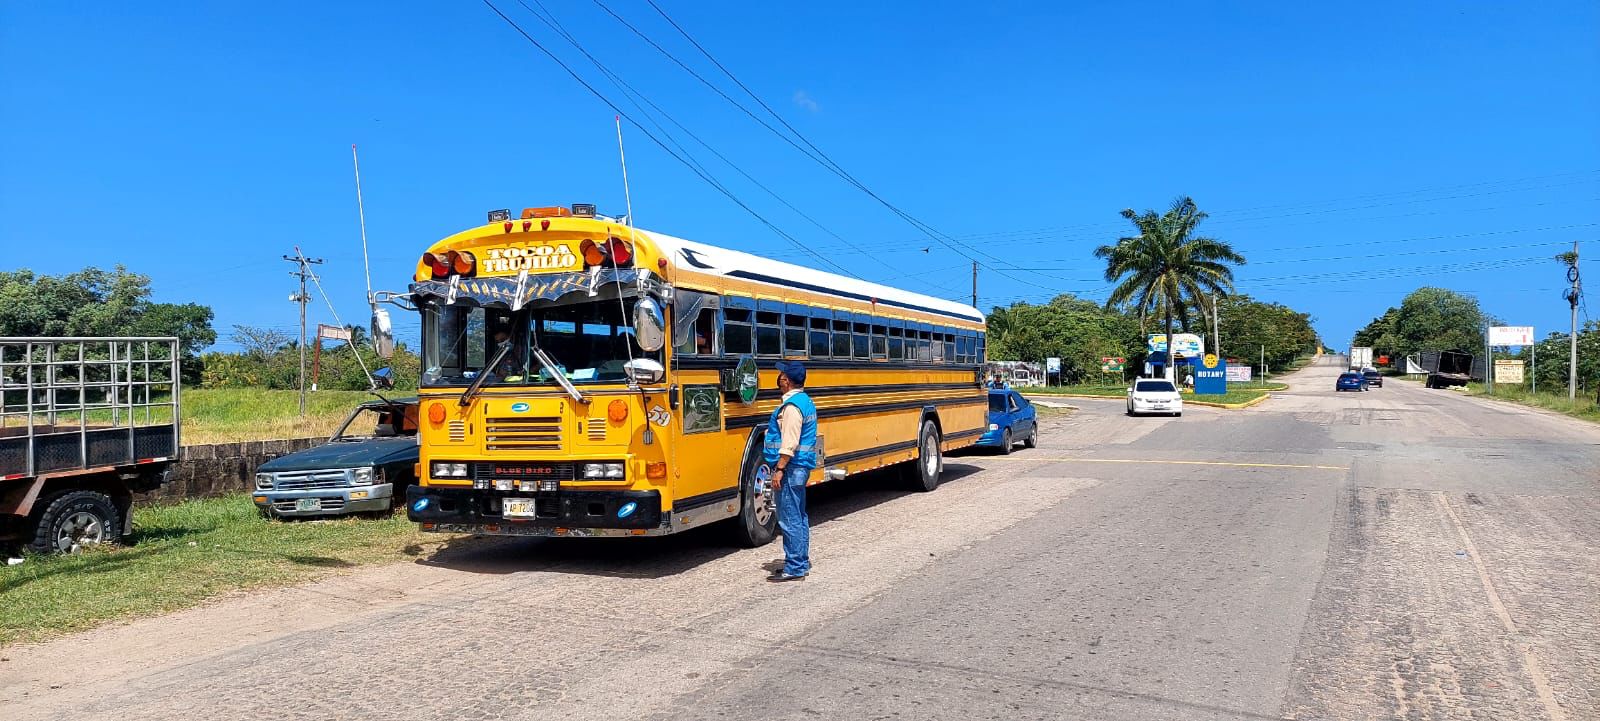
x,y
365,467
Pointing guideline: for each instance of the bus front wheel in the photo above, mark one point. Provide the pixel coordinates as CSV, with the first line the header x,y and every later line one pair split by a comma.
x,y
758,512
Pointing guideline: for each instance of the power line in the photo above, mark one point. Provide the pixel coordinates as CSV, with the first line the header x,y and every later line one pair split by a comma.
x,y
815,154
702,175
550,21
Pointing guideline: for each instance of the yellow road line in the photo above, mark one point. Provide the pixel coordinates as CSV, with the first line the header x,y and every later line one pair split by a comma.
x,y
1173,463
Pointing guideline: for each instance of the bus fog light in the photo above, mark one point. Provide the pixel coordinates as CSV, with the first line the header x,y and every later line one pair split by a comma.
x,y
502,484
481,484
549,486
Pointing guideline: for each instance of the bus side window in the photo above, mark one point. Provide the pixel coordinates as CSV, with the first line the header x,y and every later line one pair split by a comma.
x,y
950,344
702,336
841,339
880,341
896,342
769,333
863,338
982,347
737,338
794,335
938,346
819,336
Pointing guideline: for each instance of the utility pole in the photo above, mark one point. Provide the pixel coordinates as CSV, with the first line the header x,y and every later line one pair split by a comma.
x,y
302,271
974,283
1216,329
1573,295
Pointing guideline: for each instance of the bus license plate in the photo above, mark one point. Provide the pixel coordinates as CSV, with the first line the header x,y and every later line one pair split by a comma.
x,y
308,504
517,508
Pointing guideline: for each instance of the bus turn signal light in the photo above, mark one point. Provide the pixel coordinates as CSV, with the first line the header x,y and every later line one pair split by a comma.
x,y
463,263
655,470
436,412
617,411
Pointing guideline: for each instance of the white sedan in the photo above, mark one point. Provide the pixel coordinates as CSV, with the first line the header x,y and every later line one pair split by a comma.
x,y
1154,395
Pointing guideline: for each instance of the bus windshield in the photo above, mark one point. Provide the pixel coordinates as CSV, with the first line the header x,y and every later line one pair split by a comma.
x,y
589,342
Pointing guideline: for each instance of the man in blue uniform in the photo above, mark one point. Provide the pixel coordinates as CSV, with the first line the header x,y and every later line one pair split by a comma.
x,y
790,448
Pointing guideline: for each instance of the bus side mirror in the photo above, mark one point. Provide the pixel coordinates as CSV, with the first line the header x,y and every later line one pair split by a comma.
x,y
649,325
382,333
644,371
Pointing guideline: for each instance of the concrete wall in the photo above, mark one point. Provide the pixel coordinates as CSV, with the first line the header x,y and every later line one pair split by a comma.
x,y
222,468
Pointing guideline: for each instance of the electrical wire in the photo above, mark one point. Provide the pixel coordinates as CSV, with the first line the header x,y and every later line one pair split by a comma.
x,y
702,175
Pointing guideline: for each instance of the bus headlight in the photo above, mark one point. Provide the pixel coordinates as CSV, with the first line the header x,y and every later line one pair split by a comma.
x,y
595,471
447,469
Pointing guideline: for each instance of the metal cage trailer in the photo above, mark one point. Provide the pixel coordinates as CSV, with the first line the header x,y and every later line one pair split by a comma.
x,y
84,424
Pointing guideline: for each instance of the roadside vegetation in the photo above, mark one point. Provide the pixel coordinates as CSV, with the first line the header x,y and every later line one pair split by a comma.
x,y
1583,406
188,553
228,415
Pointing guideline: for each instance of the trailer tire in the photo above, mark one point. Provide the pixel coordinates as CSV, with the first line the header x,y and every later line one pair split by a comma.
x,y
74,520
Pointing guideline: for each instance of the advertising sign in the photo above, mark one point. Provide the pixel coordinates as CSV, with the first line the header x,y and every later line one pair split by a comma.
x,y
1109,364
333,332
1508,371
1187,345
1211,376
1517,335
1052,365
1239,374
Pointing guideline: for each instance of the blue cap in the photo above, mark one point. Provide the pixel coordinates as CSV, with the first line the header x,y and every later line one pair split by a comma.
x,y
795,370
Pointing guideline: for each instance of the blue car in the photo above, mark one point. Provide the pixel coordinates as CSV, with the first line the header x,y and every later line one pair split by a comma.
x,y
1011,418
1350,381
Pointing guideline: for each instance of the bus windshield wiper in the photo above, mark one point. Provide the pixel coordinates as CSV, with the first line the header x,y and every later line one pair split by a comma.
x,y
477,383
549,364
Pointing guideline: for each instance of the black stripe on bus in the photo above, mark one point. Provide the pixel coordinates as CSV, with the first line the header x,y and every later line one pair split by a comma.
x,y
704,499
964,434
869,452
695,363
751,421
774,280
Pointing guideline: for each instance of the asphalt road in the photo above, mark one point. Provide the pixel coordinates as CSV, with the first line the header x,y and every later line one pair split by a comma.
x,y
1401,553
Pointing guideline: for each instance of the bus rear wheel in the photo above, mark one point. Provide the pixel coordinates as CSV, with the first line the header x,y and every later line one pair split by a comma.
x,y
923,472
758,509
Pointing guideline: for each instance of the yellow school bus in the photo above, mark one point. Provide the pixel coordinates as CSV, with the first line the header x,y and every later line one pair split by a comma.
x,y
584,378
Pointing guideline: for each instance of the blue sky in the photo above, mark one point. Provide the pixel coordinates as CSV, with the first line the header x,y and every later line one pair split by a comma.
x,y
1351,154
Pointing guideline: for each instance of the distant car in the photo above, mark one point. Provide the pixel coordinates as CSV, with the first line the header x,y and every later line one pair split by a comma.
x,y
364,467
1010,417
1350,381
1374,378
1154,395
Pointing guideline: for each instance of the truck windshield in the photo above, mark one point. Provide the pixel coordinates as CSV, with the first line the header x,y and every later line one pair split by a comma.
x,y
590,342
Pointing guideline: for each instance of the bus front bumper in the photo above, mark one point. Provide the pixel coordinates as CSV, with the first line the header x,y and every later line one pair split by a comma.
x,y
561,513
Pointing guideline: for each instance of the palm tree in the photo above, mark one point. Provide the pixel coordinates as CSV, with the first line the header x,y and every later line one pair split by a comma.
x,y
1166,267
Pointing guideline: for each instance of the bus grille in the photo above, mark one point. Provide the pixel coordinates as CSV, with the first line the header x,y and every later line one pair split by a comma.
x,y
533,433
458,431
597,429
487,470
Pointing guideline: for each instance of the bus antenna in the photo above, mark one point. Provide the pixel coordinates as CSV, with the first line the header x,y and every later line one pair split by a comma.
x,y
626,196
361,212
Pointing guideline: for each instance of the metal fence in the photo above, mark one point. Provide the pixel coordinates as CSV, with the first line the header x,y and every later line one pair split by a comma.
x,y
75,403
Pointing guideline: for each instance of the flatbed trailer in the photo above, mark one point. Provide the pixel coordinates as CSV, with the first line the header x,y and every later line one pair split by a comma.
x,y
85,423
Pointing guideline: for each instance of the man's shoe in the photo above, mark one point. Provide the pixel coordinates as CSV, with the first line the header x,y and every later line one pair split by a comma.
x,y
781,577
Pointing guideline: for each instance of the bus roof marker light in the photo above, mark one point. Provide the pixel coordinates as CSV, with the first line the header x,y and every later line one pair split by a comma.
x,y
507,226
527,225
544,224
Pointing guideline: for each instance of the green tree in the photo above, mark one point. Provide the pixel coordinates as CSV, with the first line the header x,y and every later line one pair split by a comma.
x,y
1438,319
1166,267
1252,328
98,303
1079,332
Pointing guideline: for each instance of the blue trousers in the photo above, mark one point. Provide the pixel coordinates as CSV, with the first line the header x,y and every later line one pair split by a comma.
x,y
793,522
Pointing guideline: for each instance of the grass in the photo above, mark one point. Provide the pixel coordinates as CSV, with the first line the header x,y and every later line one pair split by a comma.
x,y
1583,406
1236,393
185,554
227,415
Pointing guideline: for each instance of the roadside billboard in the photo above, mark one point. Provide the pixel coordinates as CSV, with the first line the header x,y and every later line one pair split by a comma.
x,y
1508,371
1512,335
1187,345
1239,374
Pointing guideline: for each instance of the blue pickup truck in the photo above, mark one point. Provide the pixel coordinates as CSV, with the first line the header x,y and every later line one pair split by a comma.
x,y
364,467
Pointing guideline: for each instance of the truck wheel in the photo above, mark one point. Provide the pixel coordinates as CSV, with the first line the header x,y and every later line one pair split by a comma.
x,y
758,509
923,472
75,520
